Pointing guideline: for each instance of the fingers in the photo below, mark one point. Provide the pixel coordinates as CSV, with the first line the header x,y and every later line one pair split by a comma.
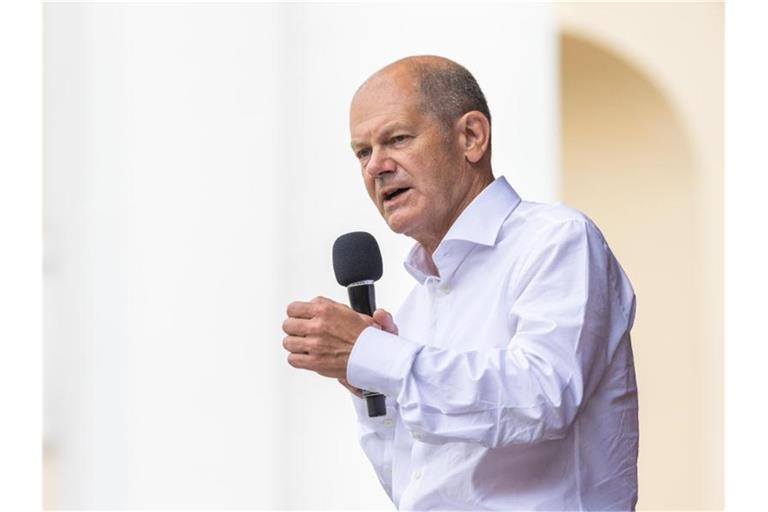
x,y
321,334
296,344
307,310
385,320
302,361
297,326
300,309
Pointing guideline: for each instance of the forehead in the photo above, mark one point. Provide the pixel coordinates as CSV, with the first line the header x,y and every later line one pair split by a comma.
x,y
382,103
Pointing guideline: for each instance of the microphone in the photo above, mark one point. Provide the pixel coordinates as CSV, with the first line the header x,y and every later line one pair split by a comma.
x,y
357,264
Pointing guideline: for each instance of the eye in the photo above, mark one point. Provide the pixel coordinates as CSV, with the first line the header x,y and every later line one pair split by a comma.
x,y
363,153
398,139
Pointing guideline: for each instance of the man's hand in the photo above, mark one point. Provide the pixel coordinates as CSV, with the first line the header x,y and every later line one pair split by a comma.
x,y
384,321
321,334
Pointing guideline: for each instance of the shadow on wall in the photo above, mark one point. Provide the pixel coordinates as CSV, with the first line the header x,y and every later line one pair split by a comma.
x,y
627,163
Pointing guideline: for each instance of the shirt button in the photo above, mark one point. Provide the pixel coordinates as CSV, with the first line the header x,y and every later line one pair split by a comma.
x,y
417,436
417,474
388,422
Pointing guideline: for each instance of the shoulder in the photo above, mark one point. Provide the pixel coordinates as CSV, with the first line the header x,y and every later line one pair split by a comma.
x,y
546,222
549,213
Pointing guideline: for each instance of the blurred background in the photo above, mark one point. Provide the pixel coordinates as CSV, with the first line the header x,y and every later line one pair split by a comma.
x,y
198,170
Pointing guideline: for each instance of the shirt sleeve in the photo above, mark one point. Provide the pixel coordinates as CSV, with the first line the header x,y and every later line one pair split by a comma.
x,y
569,310
376,436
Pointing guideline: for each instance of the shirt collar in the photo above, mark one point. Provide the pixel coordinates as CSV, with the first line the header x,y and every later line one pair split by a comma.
x,y
479,224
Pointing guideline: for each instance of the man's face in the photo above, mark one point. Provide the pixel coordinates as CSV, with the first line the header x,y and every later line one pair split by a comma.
x,y
409,163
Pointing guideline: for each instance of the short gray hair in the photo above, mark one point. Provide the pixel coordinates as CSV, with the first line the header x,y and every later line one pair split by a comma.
x,y
448,91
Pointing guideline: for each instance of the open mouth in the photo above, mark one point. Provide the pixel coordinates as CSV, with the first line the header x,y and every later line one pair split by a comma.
x,y
395,193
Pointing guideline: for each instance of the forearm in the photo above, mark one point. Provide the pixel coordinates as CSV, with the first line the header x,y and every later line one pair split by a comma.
x,y
494,397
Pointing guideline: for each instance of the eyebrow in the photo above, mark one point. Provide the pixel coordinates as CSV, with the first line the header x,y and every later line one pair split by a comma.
x,y
384,134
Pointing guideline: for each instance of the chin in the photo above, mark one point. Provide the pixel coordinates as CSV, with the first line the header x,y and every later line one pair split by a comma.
x,y
398,224
396,228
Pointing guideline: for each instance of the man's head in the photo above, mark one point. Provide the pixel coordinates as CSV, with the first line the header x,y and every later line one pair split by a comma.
x,y
420,128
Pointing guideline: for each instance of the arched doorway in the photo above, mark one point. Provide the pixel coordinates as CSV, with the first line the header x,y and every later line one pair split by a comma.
x,y
627,163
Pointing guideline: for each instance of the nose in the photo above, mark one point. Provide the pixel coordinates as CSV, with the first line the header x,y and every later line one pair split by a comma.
x,y
380,163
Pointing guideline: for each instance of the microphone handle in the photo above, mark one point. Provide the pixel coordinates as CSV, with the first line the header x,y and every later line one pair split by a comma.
x,y
362,298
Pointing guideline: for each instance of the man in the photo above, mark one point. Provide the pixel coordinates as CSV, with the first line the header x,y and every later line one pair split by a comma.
x,y
508,374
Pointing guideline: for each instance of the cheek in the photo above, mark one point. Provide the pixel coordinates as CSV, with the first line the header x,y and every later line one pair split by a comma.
x,y
370,187
431,189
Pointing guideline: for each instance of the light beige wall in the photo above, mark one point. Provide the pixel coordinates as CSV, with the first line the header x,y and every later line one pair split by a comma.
x,y
642,154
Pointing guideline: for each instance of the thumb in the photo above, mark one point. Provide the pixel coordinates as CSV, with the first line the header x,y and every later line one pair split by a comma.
x,y
385,320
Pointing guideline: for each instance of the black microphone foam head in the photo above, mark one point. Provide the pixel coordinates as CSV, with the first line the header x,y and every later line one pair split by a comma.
x,y
356,257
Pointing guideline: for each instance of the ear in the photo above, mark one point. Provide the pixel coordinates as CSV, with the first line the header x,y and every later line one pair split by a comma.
x,y
475,135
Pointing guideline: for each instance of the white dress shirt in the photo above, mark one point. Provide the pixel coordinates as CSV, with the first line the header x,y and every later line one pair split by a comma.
x,y
511,385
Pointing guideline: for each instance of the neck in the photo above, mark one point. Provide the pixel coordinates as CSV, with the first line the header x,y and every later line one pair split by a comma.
x,y
430,243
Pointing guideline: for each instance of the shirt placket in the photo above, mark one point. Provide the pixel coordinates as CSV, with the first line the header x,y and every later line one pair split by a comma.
x,y
434,309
